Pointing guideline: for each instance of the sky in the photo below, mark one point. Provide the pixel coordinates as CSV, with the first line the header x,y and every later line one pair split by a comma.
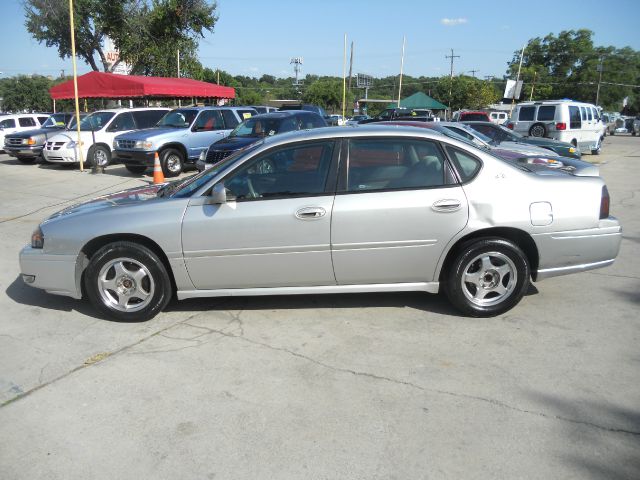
x,y
257,37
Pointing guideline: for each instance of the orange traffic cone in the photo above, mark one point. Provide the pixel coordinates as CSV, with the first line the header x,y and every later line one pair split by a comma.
x,y
158,176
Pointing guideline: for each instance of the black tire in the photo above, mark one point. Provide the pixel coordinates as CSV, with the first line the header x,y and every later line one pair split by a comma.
x,y
500,270
99,156
27,160
127,282
538,130
172,162
137,169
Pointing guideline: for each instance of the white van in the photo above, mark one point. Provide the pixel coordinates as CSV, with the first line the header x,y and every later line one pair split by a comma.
x,y
97,132
565,120
498,118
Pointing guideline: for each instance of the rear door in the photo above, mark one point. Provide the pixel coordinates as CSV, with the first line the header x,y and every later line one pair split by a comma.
x,y
396,209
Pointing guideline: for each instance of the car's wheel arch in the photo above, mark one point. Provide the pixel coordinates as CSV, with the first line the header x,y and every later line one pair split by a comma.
x,y
519,237
177,146
95,244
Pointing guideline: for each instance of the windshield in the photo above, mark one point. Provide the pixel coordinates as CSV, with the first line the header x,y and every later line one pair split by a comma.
x,y
471,135
54,121
185,188
180,118
96,121
262,127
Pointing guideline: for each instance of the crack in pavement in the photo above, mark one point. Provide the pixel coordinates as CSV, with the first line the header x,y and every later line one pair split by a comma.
x,y
236,318
414,385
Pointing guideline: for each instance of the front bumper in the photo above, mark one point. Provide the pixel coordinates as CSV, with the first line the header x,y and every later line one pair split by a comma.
x,y
562,253
57,274
63,155
23,151
133,157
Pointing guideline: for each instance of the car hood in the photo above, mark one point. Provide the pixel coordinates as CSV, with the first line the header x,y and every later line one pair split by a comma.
x,y
34,132
125,197
153,133
234,143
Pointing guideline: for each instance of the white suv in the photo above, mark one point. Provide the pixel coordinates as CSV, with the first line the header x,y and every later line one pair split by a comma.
x,y
18,123
97,132
565,120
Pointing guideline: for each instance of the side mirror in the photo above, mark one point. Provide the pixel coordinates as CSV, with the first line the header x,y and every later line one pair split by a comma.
x,y
218,194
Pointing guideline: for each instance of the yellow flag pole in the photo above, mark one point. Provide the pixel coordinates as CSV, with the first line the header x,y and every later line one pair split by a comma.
x,y
344,78
75,82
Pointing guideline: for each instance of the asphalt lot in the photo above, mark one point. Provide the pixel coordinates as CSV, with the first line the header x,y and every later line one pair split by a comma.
x,y
369,386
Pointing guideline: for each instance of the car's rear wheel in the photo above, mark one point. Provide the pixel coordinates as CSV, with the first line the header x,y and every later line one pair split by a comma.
x,y
137,169
538,130
127,282
487,277
172,161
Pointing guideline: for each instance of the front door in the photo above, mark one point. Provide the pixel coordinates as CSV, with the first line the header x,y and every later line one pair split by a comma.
x,y
394,213
274,230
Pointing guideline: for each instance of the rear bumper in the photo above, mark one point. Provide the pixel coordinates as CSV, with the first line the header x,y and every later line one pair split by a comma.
x,y
562,253
57,274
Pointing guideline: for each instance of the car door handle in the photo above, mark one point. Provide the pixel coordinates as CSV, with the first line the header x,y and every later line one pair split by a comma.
x,y
446,205
310,213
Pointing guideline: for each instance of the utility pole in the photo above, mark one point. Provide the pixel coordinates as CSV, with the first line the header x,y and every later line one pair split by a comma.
x,y
452,57
599,67
473,73
535,73
401,68
350,67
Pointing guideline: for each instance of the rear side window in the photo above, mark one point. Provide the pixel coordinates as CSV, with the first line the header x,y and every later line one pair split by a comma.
x,y
26,122
42,120
546,113
8,123
466,164
313,121
147,118
230,119
574,117
526,113
392,164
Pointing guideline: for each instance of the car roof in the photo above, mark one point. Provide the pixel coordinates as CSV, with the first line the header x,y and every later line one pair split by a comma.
x,y
286,113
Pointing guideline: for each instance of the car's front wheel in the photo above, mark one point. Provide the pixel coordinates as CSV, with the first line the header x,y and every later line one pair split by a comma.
x,y
172,161
127,282
99,156
487,277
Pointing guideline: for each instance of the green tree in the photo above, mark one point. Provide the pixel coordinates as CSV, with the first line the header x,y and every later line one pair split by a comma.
x,y
148,34
326,92
30,93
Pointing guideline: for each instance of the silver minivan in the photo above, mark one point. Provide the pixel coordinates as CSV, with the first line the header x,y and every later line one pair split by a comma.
x,y
565,120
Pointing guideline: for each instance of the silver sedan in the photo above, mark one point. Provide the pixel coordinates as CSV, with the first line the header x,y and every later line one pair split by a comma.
x,y
331,210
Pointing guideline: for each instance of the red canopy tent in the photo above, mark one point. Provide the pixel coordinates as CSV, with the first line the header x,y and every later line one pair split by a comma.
x,y
109,85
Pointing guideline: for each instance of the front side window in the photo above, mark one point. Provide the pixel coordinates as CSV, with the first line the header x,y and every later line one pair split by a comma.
x,y
589,114
209,120
546,113
8,123
122,122
294,171
27,122
96,121
42,120
393,164
179,118
526,114
56,120
574,117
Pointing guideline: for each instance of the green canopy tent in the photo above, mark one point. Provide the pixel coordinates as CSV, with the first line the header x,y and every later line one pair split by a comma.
x,y
419,100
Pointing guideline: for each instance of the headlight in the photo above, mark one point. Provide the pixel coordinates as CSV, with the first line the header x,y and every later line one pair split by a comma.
x,y
203,155
37,238
144,144
74,144
31,141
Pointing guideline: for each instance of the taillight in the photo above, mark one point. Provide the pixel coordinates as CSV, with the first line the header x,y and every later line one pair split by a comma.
x,y
605,201
510,126
561,126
